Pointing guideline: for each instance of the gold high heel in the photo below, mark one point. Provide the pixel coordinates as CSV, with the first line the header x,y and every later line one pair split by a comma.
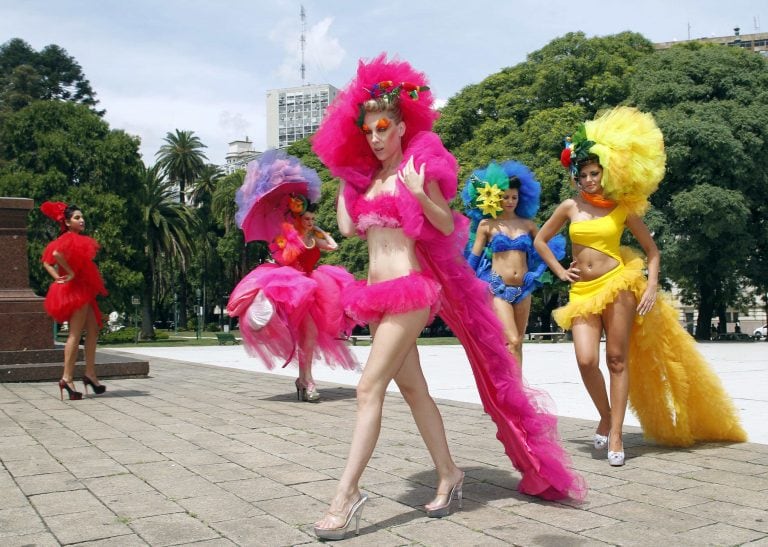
x,y
445,509
338,533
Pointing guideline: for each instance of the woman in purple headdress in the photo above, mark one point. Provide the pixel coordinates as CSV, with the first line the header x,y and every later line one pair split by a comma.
x,y
289,309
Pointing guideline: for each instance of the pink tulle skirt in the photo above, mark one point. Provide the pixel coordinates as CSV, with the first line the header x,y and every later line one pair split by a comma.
x,y
288,316
369,303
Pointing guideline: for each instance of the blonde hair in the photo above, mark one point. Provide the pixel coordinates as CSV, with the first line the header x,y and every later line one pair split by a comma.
x,y
383,104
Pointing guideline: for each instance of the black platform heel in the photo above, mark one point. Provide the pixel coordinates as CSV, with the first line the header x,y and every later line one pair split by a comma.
x,y
97,389
73,395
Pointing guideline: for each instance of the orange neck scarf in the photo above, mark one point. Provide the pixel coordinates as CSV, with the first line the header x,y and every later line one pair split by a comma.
x,y
597,200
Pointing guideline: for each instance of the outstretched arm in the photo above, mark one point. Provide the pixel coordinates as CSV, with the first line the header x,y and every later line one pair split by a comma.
x,y
645,239
428,194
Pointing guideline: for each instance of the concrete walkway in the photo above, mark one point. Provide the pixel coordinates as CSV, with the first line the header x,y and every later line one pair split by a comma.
x,y
213,455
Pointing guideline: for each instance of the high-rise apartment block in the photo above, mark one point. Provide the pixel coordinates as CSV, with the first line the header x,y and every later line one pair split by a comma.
x,y
294,113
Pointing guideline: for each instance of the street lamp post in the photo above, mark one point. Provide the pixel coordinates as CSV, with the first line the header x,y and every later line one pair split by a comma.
x,y
175,314
199,312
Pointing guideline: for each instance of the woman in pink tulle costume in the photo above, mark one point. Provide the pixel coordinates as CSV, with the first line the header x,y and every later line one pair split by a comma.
x,y
289,310
396,182
71,298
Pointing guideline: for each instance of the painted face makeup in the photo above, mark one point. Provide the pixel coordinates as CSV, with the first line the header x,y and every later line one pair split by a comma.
x,y
382,135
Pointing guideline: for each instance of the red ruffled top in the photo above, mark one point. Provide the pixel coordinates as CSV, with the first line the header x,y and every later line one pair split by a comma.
x,y
63,299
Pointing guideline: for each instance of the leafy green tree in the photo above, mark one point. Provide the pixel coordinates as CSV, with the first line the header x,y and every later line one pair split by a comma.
x,y
55,150
27,75
712,106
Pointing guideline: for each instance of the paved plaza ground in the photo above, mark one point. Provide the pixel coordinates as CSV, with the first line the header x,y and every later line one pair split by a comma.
x,y
223,454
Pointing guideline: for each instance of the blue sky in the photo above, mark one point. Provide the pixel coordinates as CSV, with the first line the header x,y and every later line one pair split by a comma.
x,y
205,65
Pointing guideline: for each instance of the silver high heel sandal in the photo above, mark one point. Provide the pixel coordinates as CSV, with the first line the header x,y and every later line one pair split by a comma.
x,y
306,392
445,509
338,533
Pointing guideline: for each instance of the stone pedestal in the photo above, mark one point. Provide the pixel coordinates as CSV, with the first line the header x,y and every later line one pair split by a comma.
x,y
23,322
27,349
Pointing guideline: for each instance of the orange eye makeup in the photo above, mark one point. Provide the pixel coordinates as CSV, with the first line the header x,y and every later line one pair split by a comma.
x,y
383,124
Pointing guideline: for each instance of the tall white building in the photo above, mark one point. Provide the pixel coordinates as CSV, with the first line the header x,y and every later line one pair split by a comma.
x,y
239,154
294,113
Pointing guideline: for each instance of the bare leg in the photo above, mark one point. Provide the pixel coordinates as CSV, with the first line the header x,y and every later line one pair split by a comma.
x,y
618,318
410,380
506,314
394,338
586,342
522,310
306,356
91,337
76,324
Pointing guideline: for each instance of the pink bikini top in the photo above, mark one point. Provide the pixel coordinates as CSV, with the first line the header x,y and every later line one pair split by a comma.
x,y
380,210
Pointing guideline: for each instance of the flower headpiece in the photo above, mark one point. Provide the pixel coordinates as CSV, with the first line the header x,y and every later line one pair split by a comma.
x,y
55,211
483,192
390,93
630,148
338,142
297,204
576,150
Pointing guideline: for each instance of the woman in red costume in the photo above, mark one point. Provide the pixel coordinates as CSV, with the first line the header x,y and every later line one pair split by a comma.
x,y
397,180
290,309
72,296
617,161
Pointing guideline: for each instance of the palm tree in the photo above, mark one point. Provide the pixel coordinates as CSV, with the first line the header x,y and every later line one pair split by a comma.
x,y
169,228
205,186
181,158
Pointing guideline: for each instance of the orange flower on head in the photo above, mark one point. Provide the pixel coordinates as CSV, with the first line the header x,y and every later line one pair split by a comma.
x,y
296,205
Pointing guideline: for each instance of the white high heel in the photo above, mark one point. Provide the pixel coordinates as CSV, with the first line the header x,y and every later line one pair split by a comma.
x,y
601,441
338,533
616,459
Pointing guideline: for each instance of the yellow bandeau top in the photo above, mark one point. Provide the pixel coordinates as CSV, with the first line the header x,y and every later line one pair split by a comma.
x,y
602,234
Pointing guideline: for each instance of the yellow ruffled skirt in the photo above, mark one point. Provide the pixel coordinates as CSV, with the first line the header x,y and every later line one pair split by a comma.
x,y
677,397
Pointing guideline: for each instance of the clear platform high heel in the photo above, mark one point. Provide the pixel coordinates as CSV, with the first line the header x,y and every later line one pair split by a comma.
x,y
338,533
445,509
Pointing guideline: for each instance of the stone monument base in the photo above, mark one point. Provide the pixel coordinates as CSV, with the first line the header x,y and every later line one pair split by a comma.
x,y
48,364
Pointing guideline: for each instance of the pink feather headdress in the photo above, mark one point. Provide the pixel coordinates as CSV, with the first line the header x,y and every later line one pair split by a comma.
x,y
339,142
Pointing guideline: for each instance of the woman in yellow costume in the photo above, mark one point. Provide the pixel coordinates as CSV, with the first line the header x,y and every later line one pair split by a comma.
x,y
617,161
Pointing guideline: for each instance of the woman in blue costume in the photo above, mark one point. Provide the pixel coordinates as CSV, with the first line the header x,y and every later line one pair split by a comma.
x,y
501,199
397,180
617,161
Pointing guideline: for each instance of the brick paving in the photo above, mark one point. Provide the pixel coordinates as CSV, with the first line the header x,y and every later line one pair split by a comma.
x,y
206,455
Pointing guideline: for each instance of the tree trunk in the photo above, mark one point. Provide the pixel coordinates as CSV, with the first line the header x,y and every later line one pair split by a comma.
x,y
147,326
706,307
182,299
